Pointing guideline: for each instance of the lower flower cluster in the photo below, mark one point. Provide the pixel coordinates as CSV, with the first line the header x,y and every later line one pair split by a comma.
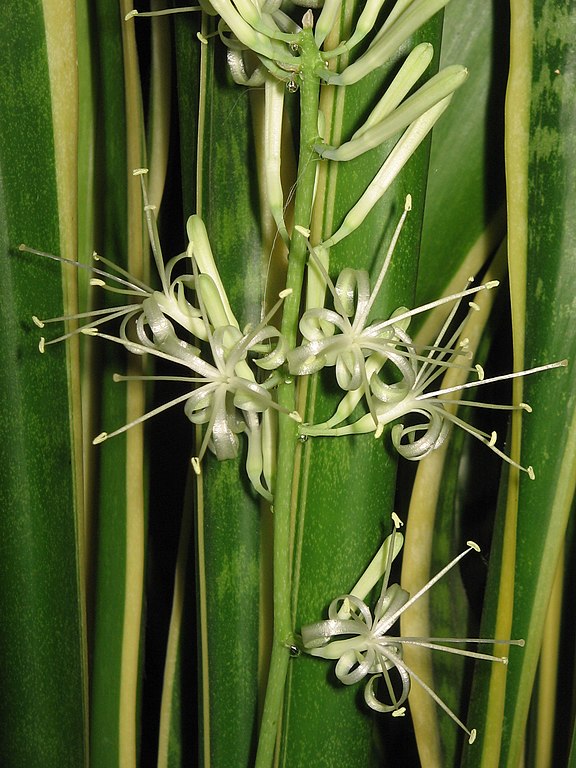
x,y
361,642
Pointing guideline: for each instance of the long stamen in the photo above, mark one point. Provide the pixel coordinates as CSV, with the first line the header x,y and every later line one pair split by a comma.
x,y
387,621
399,663
504,377
132,283
107,435
363,316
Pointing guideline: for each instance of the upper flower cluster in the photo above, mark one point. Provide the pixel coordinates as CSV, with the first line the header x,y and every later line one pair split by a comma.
x,y
234,372
377,361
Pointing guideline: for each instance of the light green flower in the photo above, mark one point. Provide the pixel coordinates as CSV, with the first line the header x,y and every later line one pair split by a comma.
x,y
364,646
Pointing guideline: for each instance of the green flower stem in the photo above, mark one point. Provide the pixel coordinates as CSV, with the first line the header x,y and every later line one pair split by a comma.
x,y
286,482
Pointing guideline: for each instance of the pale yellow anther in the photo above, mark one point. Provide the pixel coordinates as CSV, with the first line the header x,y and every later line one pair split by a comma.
x,y
195,461
492,284
100,438
41,344
96,282
139,171
472,738
130,15
473,545
285,293
526,407
37,321
302,230
408,203
479,371
201,38
474,306
295,416
400,712
396,520
89,331
531,473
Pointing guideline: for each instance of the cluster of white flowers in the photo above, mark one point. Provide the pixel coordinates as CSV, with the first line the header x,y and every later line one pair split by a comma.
x,y
235,372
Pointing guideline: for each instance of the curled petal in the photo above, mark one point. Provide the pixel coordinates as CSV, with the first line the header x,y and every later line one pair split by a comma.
x,y
317,324
223,437
349,368
276,357
245,68
352,666
342,606
393,599
255,458
198,407
353,291
374,702
435,433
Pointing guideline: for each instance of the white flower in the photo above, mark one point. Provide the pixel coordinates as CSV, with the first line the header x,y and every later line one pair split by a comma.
x,y
173,298
226,396
361,640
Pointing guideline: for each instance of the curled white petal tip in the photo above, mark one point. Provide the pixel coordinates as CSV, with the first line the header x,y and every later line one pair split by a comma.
x,y
41,345
472,737
139,171
302,230
400,712
285,293
130,15
473,545
195,461
531,473
100,438
37,321
526,407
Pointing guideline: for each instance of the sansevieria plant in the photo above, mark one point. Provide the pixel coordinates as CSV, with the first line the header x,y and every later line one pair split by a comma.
x,y
288,459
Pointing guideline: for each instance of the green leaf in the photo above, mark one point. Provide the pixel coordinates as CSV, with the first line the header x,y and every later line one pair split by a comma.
x,y
43,700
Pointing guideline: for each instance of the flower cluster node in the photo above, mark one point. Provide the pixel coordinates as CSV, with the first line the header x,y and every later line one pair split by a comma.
x,y
361,643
